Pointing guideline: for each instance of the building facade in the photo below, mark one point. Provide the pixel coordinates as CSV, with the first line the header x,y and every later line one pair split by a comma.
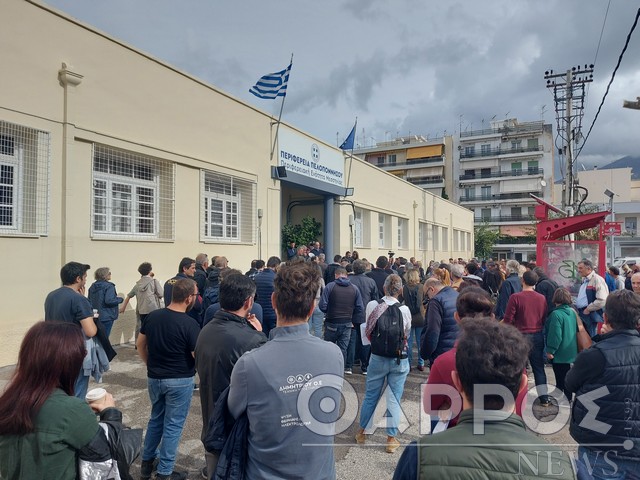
x,y
428,164
112,158
496,170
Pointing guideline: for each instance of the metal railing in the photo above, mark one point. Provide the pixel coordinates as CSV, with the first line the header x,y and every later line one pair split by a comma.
x,y
426,180
505,218
521,128
492,152
503,173
409,163
498,197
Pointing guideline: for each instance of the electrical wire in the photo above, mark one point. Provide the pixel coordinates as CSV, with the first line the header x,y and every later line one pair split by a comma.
x,y
613,75
604,22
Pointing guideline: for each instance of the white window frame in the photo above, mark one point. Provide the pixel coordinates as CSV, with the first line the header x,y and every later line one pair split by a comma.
x,y
358,227
14,161
228,201
402,232
114,180
381,230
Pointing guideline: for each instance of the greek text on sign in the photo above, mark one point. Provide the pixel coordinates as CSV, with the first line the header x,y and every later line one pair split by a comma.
x,y
300,154
612,228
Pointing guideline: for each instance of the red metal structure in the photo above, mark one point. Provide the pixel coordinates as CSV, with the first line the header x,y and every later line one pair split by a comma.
x,y
560,257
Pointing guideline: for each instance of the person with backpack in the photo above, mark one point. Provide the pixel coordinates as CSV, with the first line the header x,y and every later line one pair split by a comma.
x,y
388,325
413,296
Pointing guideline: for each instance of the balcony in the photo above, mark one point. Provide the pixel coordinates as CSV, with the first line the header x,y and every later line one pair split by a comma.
x,y
505,218
507,130
502,173
497,151
433,181
412,163
499,197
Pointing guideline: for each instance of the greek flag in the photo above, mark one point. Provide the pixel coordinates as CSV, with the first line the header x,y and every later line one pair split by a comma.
x,y
272,85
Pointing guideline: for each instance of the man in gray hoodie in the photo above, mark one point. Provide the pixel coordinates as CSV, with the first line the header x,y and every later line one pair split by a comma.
x,y
286,386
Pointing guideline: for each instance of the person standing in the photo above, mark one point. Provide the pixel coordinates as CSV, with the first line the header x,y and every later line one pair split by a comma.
x,y
606,382
562,328
200,275
264,290
393,367
368,291
527,311
166,344
68,304
441,329
289,438
412,294
148,293
186,269
342,303
103,297
591,297
379,273
232,332
511,284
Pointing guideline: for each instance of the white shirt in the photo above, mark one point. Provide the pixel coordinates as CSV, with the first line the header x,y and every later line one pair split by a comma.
x,y
406,313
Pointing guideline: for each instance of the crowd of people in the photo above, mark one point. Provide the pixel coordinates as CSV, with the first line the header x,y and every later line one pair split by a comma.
x,y
271,348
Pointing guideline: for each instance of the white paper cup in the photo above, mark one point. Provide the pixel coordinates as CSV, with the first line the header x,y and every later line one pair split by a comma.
x,y
95,395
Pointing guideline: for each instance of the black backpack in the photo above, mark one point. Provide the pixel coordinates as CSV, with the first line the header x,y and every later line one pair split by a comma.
x,y
411,299
387,338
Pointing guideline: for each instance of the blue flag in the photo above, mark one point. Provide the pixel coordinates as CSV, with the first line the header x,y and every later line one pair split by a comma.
x,y
348,142
272,85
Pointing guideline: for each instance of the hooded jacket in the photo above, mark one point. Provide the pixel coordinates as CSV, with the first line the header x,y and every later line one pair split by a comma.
x,y
103,297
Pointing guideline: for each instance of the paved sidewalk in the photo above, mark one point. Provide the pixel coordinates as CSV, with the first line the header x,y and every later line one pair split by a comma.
x,y
128,383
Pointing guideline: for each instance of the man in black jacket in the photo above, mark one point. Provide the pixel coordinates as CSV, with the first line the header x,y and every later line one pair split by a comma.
x,y
379,274
606,383
232,332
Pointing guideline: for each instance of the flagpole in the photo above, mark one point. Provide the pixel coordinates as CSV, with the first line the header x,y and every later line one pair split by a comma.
x,y
275,138
355,126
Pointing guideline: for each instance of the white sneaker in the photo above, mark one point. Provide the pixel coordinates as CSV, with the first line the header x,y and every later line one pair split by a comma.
x,y
348,371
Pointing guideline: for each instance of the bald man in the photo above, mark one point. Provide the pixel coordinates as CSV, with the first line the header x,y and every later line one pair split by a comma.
x,y
635,282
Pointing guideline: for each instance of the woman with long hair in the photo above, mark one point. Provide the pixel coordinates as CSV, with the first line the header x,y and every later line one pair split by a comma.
x,y
443,275
44,429
412,296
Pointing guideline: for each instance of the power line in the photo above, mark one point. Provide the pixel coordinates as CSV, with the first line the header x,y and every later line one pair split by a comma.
x,y
613,75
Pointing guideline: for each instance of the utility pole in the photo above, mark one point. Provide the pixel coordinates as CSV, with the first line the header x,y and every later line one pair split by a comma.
x,y
568,95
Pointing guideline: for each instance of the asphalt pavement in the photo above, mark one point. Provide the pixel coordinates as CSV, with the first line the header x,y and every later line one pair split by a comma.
x,y
127,382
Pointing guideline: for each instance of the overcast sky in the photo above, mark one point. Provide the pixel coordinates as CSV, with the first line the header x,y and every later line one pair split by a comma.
x,y
400,66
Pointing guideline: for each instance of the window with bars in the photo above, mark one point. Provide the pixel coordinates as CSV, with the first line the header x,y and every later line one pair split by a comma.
x,y
132,195
358,237
435,237
24,180
381,230
228,205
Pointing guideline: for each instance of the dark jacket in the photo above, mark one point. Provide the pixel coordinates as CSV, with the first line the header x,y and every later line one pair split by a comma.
x,y
613,362
220,344
379,276
230,438
201,278
196,312
441,329
341,301
510,285
547,287
103,297
264,289
368,291
505,450
330,273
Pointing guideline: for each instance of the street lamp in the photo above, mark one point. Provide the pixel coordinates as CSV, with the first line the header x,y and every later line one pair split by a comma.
x,y
610,194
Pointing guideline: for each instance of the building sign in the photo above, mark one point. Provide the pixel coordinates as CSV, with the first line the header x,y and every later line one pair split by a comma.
x,y
612,229
302,155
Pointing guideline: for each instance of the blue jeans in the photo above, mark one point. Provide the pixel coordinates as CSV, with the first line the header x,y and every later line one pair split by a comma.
x,y
338,333
611,468
315,322
351,349
363,352
81,386
536,340
107,327
416,333
170,402
381,369
591,321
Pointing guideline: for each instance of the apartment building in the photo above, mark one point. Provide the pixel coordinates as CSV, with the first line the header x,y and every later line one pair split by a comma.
x,y
496,171
426,163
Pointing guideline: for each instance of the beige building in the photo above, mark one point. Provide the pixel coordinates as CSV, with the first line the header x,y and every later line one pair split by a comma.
x,y
426,163
496,170
112,158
